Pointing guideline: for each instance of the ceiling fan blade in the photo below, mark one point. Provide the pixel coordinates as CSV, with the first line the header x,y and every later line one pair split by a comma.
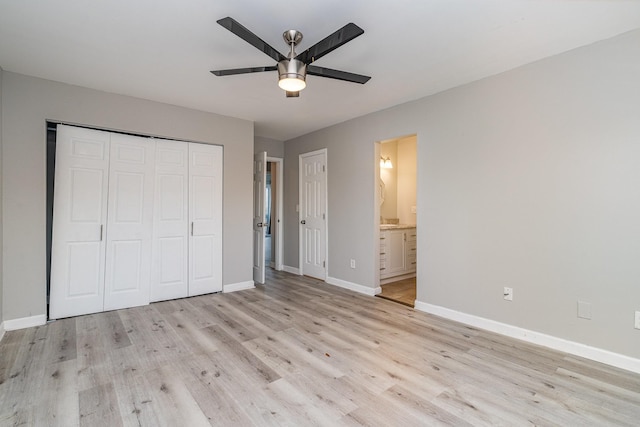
x,y
241,31
234,71
337,74
330,43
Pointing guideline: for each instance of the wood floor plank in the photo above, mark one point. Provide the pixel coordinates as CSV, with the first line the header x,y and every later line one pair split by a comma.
x,y
136,400
10,346
58,400
61,340
21,387
202,374
195,339
174,403
99,406
101,354
254,399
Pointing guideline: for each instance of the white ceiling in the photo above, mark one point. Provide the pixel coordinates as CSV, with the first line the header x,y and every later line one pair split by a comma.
x,y
162,50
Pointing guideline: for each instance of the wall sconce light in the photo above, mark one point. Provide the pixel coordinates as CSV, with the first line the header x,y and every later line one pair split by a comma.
x,y
385,163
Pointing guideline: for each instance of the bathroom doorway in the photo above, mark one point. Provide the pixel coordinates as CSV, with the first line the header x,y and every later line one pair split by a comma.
x,y
397,182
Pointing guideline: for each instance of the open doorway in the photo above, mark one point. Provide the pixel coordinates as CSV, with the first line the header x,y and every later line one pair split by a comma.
x,y
273,214
267,213
397,183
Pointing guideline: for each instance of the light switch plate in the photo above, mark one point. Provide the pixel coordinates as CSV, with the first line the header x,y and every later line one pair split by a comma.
x,y
584,310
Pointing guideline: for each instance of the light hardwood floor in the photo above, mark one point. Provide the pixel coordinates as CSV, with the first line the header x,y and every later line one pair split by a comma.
x,y
296,352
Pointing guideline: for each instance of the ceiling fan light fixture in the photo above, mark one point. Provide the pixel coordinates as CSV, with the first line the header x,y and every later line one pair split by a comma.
x,y
291,75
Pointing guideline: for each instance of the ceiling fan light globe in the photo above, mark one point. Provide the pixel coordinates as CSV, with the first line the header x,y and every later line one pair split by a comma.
x,y
291,75
291,84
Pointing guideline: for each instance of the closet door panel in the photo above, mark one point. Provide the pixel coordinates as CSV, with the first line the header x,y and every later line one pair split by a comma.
x,y
169,276
205,216
80,209
130,222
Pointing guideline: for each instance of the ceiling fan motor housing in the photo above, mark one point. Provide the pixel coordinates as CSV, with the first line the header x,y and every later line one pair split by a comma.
x,y
292,69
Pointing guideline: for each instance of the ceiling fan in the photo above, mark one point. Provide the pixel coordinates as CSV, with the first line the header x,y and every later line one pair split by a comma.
x,y
293,68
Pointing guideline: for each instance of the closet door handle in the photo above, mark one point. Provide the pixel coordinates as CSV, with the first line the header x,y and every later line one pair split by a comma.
x,y
303,222
101,227
192,228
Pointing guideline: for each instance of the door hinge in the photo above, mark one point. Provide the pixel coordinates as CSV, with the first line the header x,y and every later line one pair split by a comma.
x,y
324,168
323,217
324,264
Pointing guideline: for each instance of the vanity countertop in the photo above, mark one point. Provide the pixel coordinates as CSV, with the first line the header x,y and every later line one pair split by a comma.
x,y
396,226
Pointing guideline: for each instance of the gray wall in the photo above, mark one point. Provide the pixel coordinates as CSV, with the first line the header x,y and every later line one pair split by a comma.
x,y
528,179
1,185
274,148
28,102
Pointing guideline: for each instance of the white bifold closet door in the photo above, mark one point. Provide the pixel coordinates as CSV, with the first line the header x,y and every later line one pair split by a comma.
x,y
187,241
205,218
135,220
102,222
129,221
169,273
79,219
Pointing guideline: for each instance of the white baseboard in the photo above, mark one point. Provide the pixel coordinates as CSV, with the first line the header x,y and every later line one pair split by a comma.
x,y
240,286
2,331
292,270
560,344
25,322
353,286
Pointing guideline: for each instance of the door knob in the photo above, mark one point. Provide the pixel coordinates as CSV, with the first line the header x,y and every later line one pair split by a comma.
x,y
303,222
259,224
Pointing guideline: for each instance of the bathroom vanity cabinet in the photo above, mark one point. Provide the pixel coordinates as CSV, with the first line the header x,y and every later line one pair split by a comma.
x,y
397,253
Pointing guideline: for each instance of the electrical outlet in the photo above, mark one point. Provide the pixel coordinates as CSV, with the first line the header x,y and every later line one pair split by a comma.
x,y
508,294
637,324
353,263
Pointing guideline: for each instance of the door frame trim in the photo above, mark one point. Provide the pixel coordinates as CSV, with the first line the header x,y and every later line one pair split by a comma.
x,y
259,198
322,151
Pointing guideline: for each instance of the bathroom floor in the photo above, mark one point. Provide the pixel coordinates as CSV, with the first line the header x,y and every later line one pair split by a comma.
x,y
402,291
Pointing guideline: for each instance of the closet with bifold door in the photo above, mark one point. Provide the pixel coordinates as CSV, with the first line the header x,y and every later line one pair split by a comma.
x,y
135,220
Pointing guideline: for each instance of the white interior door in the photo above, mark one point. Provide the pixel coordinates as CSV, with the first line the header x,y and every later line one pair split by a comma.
x,y
79,219
205,219
169,278
259,206
313,199
129,222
